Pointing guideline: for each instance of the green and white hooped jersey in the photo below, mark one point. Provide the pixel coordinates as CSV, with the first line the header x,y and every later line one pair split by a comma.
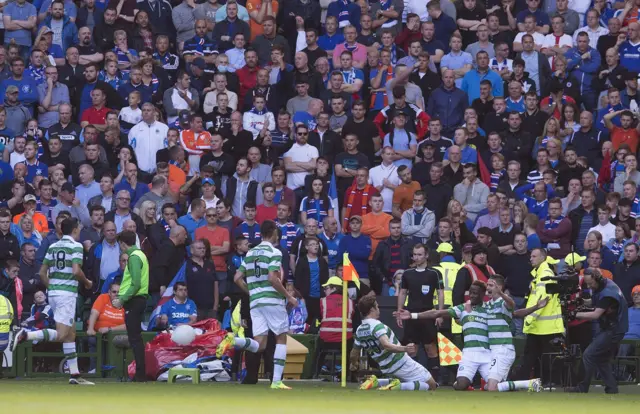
x,y
499,323
60,257
368,337
474,327
257,264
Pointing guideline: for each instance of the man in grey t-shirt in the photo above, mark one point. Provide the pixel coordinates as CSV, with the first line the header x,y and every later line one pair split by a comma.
x,y
301,101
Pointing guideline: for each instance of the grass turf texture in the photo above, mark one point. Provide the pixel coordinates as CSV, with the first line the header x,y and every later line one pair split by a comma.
x,y
27,396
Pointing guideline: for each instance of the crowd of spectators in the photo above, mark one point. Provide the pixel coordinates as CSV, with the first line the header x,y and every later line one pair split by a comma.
x,y
511,124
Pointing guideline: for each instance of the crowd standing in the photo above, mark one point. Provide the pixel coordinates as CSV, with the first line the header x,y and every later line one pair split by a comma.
x,y
479,129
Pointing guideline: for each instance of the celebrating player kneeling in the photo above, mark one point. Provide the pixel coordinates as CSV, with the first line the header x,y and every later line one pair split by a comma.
x,y
383,346
476,354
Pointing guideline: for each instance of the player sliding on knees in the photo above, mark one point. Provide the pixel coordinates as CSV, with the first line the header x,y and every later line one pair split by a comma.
x,y
500,309
60,273
268,300
392,358
476,354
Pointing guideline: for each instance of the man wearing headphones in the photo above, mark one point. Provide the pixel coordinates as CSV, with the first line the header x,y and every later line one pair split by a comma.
x,y
611,312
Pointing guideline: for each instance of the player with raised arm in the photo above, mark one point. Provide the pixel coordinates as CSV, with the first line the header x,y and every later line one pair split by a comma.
x,y
476,354
60,272
268,300
500,309
392,358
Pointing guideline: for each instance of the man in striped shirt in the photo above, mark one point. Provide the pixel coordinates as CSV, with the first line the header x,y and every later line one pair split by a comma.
x,y
393,359
500,311
60,272
268,300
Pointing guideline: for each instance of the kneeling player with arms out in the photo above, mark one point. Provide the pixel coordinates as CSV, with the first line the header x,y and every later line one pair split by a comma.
x,y
476,354
268,300
392,358
60,272
500,310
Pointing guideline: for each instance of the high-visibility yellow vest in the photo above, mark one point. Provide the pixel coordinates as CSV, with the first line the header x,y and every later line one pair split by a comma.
x,y
144,280
236,321
449,271
547,320
6,315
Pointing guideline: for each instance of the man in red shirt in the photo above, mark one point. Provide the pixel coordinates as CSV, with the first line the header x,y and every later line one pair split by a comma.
x,y
248,74
97,114
356,199
556,100
624,134
268,210
219,240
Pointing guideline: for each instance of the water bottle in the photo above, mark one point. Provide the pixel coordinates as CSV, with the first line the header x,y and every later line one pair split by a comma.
x,y
364,361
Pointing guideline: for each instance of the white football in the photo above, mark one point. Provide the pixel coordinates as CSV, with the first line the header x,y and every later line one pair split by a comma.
x,y
183,335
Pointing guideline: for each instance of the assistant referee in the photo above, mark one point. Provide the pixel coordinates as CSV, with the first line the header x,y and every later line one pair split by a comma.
x,y
134,291
419,284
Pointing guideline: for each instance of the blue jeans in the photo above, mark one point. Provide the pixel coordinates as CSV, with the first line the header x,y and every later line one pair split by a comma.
x,y
597,357
517,323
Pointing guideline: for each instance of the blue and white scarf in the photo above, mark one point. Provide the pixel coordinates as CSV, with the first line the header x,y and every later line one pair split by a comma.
x,y
343,15
550,224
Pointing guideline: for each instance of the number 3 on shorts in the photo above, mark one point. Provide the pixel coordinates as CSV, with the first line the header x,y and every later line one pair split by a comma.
x,y
493,362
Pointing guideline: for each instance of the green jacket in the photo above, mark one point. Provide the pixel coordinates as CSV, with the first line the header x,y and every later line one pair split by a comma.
x,y
135,281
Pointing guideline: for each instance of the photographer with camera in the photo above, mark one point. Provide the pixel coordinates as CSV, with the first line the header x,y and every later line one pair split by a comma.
x,y
611,313
578,331
544,325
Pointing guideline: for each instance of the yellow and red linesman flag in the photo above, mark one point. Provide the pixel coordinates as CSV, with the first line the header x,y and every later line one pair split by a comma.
x,y
449,353
349,273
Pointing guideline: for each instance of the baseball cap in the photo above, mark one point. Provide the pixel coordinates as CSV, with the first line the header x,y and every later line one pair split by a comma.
x,y
199,62
636,289
356,217
333,281
467,248
207,181
574,258
68,187
445,248
29,197
428,143
550,260
630,76
46,30
12,89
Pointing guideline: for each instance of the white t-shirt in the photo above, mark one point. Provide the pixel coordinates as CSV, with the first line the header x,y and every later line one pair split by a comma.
x,y
608,231
552,40
301,153
538,38
377,176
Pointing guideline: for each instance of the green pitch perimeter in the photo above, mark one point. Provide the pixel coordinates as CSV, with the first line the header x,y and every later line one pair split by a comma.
x,y
30,396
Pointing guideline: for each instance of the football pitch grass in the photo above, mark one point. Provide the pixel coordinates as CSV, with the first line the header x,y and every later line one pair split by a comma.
x,y
46,396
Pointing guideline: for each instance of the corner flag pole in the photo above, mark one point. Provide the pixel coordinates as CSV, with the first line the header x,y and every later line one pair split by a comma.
x,y
345,299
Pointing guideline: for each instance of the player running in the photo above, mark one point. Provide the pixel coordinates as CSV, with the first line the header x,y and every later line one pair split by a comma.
x,y
476,354
500,309
268,300
383,346
60,272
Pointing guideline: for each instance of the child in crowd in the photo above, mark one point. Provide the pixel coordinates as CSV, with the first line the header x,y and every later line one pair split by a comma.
x,y
497,171
297,315
41,313
132,114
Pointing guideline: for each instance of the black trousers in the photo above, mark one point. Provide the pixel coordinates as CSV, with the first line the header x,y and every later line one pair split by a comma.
x,y
134,314
313,312
535,346
581,335
597,358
